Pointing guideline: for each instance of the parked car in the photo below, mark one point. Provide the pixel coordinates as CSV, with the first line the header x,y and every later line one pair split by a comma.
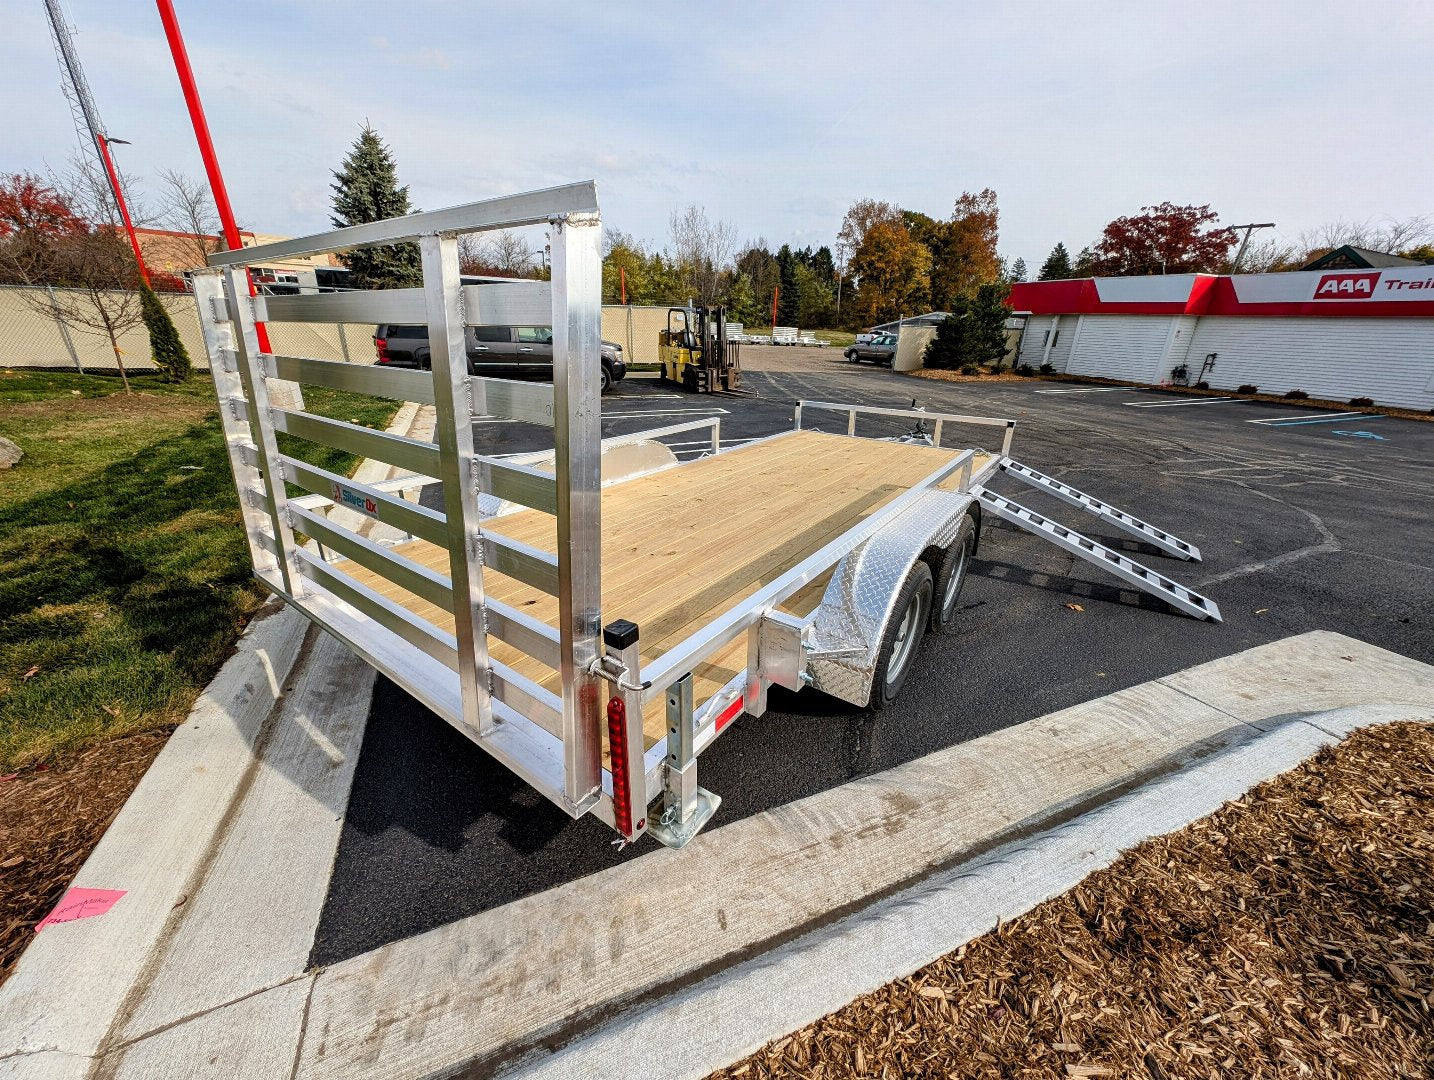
x,y
878,349
508,352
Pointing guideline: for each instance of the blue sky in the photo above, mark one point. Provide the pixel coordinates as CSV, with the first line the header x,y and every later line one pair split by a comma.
x,y
774,116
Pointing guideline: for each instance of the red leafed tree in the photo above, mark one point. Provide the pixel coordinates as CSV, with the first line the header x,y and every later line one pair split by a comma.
x,y
28,204
36,221
1163,239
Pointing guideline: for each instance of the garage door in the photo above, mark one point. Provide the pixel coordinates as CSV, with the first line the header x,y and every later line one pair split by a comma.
x,y
1129,347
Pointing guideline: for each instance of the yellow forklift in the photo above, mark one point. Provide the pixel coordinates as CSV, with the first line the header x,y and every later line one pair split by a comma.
x,y
694,351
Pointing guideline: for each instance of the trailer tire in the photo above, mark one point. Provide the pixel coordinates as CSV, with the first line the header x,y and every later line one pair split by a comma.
x,y
901,640
951,566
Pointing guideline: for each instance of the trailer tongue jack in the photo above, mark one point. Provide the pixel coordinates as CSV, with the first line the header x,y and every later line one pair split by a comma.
x,y
805,559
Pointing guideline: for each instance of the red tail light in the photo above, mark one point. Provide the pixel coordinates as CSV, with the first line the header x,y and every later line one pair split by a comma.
x,y
381,344
617,759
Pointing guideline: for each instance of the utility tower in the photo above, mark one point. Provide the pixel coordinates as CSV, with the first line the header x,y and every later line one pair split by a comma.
x,y
87,119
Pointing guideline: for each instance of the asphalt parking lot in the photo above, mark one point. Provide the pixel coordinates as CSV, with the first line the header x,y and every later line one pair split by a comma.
x,y
1303,526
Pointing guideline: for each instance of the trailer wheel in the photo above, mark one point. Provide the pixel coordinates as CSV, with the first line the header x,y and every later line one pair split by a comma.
x,y
902,637
951,576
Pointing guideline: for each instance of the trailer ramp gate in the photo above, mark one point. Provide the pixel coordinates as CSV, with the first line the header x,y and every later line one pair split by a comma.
x,y
427,596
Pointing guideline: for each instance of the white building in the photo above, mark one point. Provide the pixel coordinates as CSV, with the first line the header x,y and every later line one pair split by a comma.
x,y
1332,334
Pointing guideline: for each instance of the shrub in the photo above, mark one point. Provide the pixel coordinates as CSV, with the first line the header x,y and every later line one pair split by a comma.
x,y
1202,385
1296,395
1048,369
169,352
1361,402
1025,369
1248,388
970,369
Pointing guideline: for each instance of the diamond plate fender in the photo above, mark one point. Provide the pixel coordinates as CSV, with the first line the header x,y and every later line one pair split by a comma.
x,y
849,623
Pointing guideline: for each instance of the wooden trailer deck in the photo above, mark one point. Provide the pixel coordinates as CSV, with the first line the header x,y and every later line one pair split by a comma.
x,y
682,546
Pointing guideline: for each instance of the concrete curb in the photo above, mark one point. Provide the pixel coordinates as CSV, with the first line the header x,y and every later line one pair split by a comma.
x,y
751,931
734,1014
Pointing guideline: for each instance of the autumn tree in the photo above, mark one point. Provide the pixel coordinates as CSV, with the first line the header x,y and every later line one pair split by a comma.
x,y
971,258
35,221
1057,266
860,217
893,271
1162,239
366,189
61,237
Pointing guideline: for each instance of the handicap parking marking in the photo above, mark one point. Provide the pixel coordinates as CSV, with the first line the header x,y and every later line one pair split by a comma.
x,y
1361,435
1177,404
1326,418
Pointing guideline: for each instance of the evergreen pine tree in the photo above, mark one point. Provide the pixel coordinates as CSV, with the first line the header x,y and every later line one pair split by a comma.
x,y
1057,265
974,334
169,353
1018,270
788,298
367,189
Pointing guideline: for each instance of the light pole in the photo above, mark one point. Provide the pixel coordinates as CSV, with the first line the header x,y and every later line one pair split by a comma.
x,y
105,142
1240,255
206,144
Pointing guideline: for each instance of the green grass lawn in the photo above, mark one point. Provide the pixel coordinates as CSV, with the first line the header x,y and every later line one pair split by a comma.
x,y
838,338
124,573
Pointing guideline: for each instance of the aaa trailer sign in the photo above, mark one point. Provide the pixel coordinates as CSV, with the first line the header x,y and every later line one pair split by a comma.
x,y
1346,286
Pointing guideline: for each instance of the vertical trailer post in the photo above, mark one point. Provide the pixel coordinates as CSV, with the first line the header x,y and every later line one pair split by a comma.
x,y
443,297
238,435
261,425
577,444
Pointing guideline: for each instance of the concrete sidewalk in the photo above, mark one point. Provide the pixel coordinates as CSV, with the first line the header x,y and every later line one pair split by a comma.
x,y
690,958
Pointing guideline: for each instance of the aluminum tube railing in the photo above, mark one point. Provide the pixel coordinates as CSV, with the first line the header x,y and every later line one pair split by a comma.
x,y
509,212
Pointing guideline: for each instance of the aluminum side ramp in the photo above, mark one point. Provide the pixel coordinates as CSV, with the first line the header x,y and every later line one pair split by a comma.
x,y
1171,545
1128,570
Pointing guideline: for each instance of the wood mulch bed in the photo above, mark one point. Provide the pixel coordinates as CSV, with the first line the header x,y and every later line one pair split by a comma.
x,y
1289,934
955,376
50,820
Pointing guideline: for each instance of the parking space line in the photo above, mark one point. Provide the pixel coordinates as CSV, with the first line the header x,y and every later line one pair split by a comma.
x,y
1295,421
1095,390
1177,404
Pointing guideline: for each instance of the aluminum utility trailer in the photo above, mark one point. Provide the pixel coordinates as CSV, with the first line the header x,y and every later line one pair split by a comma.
x,y
595,616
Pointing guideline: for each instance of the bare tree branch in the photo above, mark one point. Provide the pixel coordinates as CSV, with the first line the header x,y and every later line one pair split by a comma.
x,y
187,207
702,249
501,254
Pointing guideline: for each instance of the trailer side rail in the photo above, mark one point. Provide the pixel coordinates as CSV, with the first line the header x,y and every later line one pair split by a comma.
x,y
940,419
553,741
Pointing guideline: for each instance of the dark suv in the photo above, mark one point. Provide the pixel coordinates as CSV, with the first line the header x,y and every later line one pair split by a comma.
x,y
508,352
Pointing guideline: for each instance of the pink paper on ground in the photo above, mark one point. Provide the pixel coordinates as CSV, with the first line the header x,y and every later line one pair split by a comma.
x,y
80,904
